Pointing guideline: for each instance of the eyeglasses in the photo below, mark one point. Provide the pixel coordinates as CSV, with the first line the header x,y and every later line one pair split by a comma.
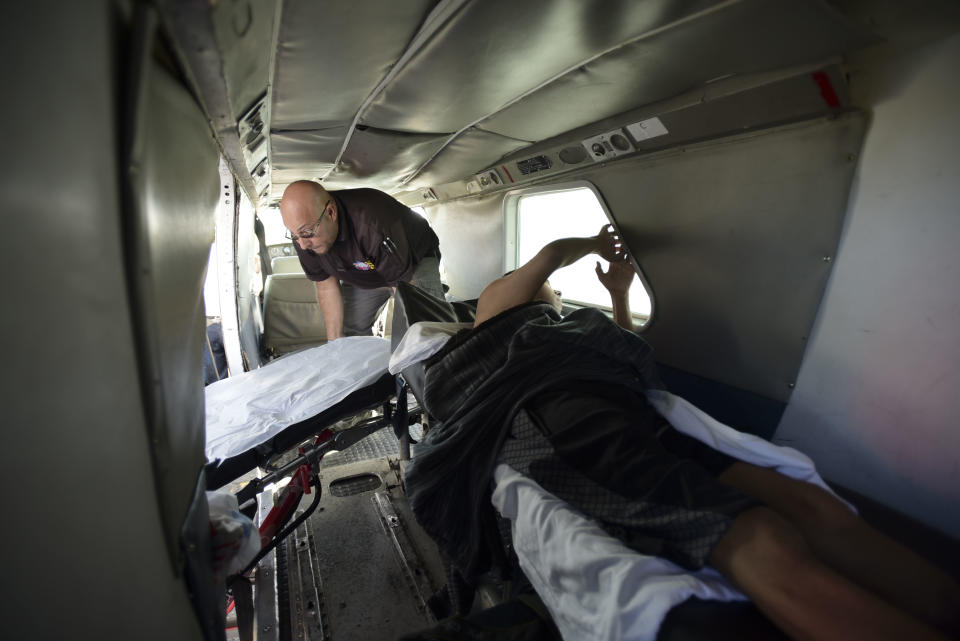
x,y
313,232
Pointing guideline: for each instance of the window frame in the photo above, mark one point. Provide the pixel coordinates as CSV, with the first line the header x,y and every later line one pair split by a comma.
x,y
511,232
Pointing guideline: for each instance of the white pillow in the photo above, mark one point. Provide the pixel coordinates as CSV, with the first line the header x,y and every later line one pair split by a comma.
x,y
422,340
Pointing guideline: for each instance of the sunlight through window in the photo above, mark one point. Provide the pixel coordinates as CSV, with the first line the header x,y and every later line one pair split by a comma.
x,y
548,216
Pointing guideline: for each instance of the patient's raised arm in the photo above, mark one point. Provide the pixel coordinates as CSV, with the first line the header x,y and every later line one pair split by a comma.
x,y
522,285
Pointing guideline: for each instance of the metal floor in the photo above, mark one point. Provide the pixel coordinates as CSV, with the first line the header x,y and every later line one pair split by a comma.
x,y
382,443
359,568
373,569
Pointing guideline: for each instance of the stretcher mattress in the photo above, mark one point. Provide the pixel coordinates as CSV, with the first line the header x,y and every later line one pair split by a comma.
x,y
247,410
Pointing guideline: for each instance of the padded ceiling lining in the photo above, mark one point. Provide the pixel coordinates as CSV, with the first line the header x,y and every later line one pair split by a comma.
x,y
331,55
780,34
244,31
304,154
527,71
497,50
461,156
379,157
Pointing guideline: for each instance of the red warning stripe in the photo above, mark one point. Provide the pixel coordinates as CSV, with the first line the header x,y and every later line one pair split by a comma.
x,y
504,168
826,89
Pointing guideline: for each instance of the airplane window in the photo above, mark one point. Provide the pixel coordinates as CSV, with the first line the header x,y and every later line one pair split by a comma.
x,y
543,217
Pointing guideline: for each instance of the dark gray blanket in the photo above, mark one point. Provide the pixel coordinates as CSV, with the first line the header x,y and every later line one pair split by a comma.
x,y
474,389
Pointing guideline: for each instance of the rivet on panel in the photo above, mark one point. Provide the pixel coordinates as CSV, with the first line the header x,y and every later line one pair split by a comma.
x,y
827,259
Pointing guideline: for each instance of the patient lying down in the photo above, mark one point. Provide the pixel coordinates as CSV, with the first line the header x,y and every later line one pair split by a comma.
x,y
562,400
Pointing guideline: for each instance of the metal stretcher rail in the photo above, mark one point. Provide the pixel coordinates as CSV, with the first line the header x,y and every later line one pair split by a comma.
x,y
302,469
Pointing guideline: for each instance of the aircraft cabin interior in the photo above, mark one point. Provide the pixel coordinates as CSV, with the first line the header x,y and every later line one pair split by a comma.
x,y
190,456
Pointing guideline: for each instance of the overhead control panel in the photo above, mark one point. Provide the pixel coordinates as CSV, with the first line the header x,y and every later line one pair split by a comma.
x,y
599,148
533,165
484,181
729,108
608,145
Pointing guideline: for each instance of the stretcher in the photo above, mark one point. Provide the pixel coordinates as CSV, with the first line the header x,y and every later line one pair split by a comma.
x,y
311,390
280,419
259,415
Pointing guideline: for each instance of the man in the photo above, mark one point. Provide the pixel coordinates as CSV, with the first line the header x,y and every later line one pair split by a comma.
x,y
562,400
357,244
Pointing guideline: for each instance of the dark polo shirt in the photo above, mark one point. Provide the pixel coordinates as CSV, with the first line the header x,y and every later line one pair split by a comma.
x,y
379,244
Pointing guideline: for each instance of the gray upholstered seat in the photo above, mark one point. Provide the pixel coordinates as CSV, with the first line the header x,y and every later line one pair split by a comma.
x,y
286,265
291,316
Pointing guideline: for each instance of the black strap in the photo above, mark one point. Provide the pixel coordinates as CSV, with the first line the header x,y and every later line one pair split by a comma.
x,y
242,591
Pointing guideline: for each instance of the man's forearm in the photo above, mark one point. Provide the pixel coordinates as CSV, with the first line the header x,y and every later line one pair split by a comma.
x,y
331,306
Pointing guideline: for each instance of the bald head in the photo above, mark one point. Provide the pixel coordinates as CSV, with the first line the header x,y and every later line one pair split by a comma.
x,y
303,204
302,197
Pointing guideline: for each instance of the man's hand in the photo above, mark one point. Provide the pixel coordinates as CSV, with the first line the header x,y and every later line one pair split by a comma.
x,y
610,246
617,278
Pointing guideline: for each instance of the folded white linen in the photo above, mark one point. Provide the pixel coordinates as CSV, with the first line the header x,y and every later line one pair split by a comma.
x,y
596,588
421,341
692,421
245,410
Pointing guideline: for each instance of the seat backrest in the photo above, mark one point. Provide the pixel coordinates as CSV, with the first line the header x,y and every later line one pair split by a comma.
x,y
285,265
291,316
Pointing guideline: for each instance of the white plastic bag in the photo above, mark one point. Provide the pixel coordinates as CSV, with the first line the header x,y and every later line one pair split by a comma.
x,y
236,540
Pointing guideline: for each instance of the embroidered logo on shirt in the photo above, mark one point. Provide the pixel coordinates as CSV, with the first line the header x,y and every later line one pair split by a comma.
x,y
363,265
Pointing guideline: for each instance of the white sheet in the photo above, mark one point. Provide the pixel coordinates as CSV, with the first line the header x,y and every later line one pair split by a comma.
x,y
422,341
246,410
596,588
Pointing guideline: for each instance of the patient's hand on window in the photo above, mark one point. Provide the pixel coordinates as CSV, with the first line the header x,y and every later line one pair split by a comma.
x,y
611,246
617,278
